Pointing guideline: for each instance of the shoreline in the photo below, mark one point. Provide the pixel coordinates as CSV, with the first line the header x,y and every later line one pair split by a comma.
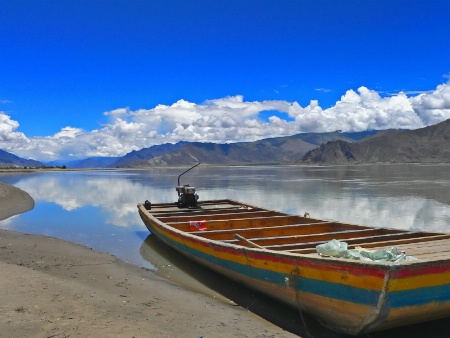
x,y
52,287
13,201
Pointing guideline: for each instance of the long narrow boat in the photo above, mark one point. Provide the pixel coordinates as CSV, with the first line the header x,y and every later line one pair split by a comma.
x,y
276,254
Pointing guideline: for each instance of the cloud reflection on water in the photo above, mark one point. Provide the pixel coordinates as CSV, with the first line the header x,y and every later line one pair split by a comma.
x,y
98,208
360,195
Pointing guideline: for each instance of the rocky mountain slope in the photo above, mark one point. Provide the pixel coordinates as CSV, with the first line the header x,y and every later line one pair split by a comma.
x,y
426,145
280,150
8,160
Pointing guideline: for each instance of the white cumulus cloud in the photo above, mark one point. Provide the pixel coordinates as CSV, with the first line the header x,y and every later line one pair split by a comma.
x,y
8,129
68,132
229,119
433,107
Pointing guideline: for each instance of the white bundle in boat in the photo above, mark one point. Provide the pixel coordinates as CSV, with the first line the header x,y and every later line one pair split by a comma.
x,y
335,248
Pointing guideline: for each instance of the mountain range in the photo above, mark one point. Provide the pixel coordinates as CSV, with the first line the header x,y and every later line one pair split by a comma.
x,y
8,160
279,150
426,145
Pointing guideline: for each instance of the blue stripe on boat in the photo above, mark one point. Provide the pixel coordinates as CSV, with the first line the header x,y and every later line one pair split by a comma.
x,y
440,293
338,291
314,286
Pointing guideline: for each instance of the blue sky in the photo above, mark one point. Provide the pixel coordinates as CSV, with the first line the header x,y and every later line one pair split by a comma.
x,y
84,78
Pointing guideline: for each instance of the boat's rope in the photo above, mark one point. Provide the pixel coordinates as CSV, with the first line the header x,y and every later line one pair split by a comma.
x,y
371,319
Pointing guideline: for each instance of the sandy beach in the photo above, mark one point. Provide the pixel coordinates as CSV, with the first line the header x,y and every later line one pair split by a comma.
x,y
53,288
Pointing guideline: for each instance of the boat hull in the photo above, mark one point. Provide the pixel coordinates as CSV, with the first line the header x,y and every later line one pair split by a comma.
x,y
346,296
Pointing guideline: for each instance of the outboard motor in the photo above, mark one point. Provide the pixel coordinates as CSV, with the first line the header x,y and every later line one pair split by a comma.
x,y
187,197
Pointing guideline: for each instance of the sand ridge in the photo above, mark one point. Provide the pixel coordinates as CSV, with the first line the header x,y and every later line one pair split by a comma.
x,y
13,201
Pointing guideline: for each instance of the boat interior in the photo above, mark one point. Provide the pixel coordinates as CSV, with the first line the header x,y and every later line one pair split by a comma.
x,y
241,224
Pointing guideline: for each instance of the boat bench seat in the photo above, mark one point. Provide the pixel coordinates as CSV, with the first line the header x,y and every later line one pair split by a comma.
x,y
236,214
312,237
300,228
365,242
239,223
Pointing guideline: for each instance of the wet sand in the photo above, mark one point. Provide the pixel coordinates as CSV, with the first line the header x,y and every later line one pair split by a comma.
x,y
54,288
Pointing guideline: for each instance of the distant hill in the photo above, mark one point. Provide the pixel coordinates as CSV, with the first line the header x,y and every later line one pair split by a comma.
x,y
91,162
8,160
321,138
141,157
426,145
262,152
279,150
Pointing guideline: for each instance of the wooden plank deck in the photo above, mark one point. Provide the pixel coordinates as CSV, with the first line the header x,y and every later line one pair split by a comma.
x,y
388,243
241,223
281,230
425,250
218,215
296,234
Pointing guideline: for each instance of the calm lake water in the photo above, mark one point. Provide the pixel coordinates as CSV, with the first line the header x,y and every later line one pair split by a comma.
x,y
98,207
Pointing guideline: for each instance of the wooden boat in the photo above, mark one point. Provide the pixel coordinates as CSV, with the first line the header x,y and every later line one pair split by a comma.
x,y
276,254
